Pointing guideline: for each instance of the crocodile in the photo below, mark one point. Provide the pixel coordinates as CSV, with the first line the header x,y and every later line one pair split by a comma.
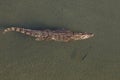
x,y
55,35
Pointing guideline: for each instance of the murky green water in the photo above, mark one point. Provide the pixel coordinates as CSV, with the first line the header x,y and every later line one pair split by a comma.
x,y
98,58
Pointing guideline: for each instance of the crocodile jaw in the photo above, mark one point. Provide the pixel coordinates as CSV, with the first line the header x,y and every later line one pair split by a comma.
x,y
81,36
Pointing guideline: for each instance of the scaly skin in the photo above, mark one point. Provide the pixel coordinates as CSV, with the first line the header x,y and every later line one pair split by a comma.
x,y
56,35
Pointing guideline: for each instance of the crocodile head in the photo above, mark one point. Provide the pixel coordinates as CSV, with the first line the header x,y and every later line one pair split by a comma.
x,y
80,36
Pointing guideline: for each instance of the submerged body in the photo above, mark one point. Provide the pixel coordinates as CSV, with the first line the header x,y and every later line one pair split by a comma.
x,y
56,35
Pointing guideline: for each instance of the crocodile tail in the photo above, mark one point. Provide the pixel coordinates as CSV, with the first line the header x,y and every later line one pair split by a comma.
x,y
14,29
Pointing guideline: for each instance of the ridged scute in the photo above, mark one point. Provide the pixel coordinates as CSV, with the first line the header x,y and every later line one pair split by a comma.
x,y
56,35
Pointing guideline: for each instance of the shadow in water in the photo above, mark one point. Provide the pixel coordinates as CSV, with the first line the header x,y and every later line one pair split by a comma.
x,y
33,26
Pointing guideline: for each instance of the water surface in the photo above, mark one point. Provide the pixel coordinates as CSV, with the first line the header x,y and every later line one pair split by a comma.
x,y
97,58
